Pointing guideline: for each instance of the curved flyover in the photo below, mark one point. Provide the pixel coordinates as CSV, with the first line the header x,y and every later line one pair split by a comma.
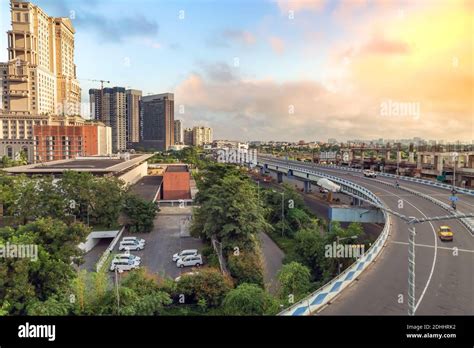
x,y
444,270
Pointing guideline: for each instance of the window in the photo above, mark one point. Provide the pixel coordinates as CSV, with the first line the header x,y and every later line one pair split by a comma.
x,y
10,152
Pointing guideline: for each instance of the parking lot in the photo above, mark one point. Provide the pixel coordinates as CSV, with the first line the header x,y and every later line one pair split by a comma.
x,y
169,236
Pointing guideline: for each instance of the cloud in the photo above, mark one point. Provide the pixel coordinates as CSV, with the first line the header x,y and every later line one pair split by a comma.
x,y
108,28
277,44
231,36
300,5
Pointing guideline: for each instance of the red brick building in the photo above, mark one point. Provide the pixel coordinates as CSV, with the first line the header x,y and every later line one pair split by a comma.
x,y
176,183
66,142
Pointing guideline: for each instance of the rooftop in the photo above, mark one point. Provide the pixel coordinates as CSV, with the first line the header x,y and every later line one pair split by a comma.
x,y
177,169
93,164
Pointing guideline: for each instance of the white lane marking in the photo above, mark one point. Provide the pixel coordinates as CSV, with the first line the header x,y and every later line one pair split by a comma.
x,y
431,246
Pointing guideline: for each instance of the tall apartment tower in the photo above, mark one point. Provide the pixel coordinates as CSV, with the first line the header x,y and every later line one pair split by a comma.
x,y
133,115
157,121
202,135
40,75
188,136
178,132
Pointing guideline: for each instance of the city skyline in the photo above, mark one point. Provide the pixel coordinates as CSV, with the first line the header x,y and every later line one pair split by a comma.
x,y
287,69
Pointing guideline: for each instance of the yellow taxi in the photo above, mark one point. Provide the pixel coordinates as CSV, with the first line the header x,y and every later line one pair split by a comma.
x,y
445,233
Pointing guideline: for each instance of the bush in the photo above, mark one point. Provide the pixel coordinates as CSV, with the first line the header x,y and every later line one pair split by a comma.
x,y
246,267
249,299
207,286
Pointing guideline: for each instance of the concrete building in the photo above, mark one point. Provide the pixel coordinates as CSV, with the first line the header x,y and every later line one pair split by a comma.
x,y
176,183
60,142
157,121
133,98
178,132
110,107
202,135
188,136
17,132
40,75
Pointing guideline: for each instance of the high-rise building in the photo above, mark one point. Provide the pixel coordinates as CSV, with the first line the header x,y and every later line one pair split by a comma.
x,y
40,75
202,135
110,107
188,136
157,121
119,109
178,132
133,115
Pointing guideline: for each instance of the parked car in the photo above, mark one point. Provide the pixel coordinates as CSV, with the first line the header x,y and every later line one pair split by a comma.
x,y
445,233
124,265
140,240
189,261
131,245
183,253
369,173
121,257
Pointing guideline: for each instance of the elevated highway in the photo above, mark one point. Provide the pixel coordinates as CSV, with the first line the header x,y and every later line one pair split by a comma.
x,y
444,277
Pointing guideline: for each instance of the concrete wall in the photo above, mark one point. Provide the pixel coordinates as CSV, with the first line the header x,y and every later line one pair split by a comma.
x,y
176,185
135,174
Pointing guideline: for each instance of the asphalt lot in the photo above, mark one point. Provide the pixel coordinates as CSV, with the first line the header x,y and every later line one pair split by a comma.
x,y
167,238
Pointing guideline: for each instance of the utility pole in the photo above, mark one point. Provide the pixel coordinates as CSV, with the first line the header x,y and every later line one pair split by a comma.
x,y
411,269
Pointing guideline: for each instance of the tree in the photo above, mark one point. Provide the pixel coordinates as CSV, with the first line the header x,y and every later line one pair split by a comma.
x,y
230,212
140,213
48,272
207,285
249,299
246,267
309,249
295,280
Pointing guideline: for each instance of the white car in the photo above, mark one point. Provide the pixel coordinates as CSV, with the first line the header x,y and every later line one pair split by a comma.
x,y
183,253
189,261
124,265
131,245
126,257
133,238
369,173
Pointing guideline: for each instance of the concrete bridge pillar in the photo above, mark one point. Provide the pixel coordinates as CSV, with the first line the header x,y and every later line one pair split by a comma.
x,y
399,156
307,186
470,161
356,202
279,177
438,163
419,161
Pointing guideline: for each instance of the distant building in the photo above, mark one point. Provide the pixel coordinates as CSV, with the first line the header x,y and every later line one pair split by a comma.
x,y
202,135
188,136
133,98
157,121
178,132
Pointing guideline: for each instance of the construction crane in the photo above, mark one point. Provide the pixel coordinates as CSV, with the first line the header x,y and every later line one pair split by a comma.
x,y
101,82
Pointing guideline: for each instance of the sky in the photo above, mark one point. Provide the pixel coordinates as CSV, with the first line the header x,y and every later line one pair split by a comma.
x,y
285,70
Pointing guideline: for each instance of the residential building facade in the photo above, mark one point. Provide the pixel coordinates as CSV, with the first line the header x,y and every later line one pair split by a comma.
x,y
178,132
202,135
40,75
